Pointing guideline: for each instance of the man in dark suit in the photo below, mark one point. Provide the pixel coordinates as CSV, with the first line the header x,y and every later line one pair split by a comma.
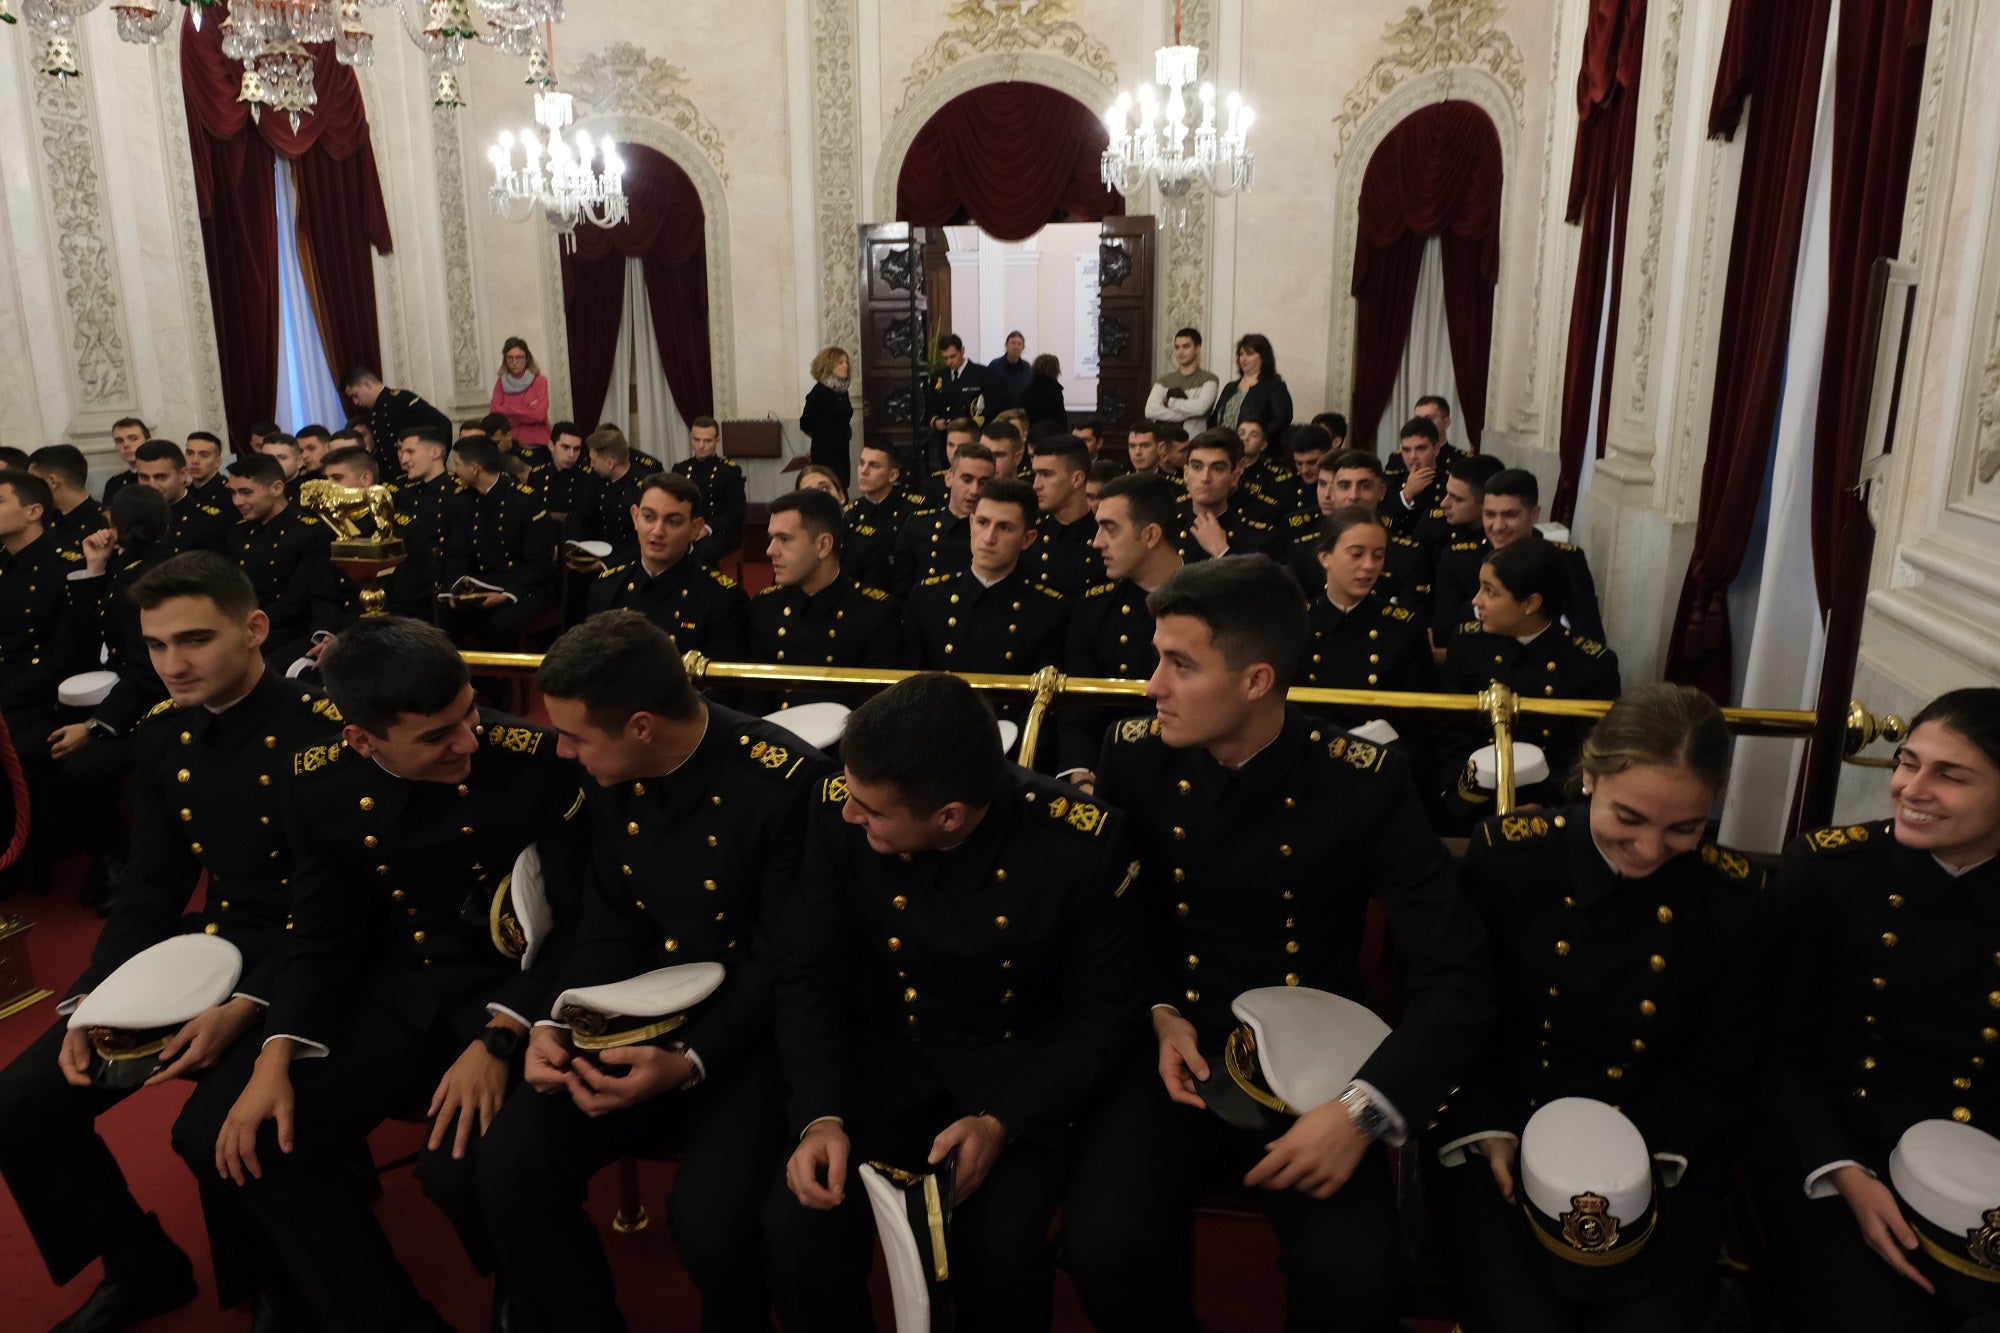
x,y
286,553
721,482
958,389
502,538
959,978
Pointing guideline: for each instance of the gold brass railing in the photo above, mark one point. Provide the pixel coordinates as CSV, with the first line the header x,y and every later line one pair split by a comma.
x,y
1048,687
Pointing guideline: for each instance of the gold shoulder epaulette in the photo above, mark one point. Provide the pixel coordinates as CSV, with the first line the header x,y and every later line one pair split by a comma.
x,y
1135,729
1563,546
1467,545
1842,838
521,740
833,790
524,488
1099,589
773,590
1301,520
1083,816
1590,647
1516,828
1046,591
163,706
1728,862
210,510
936,579
1393,612
1364,755
75,557
872,594
721,578
613,571
771,756
323,707
315,757
1472,627
865,529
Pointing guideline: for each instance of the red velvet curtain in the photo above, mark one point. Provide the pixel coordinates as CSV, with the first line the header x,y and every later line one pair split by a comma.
x,y
341,214
1600,194
1437,174
666,232
1771,53
1009,157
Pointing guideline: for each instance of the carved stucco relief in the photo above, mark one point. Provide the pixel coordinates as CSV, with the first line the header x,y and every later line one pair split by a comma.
x,y
835,58
621,80
455,234
202,349
86,263
1667,70
1528,413
1444,35
1008,29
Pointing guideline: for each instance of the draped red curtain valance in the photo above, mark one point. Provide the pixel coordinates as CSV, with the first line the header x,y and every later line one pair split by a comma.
x,y
1010,158
1438,174
667,232
341,214
1600,193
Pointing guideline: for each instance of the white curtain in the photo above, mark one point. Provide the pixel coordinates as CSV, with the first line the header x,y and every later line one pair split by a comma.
x,y
306,392
1778,660
655,425
1426,366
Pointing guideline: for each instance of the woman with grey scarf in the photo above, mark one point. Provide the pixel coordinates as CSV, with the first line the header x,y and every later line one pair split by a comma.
x,y
828,416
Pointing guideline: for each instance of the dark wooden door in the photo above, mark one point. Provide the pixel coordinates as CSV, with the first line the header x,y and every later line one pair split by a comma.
x,y
896,334
1125,249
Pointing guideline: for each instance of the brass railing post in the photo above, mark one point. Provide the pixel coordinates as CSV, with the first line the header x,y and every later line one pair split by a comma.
x,y
1500,705
1048,686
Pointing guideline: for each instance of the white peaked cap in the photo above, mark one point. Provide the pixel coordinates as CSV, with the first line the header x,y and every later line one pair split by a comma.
x,y
1530,765
1575,1146
86,689
818,724
667,990
1310,1043
166,984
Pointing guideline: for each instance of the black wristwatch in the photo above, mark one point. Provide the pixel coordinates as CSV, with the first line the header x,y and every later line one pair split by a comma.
x,y
500,1042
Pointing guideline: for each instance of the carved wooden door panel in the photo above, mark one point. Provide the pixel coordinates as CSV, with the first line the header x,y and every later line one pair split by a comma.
x,y
895,336
1124,323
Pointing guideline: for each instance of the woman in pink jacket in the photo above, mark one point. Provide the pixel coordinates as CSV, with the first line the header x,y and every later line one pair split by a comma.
x,y
522,393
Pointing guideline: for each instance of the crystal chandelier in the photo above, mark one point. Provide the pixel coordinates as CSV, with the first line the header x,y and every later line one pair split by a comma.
x,y
557,176
1159,146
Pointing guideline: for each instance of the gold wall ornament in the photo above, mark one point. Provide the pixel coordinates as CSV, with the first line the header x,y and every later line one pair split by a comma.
x,y
1009,28
1442,34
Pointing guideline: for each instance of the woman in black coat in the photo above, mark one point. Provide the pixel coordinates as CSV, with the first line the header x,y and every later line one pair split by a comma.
x,y
1257,393
829,415
1043,399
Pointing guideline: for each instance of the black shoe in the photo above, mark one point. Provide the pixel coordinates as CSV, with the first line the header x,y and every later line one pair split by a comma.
x,y
279,1308
120,1305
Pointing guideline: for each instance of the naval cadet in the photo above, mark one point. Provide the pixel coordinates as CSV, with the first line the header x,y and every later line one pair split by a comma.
x,y
661,577
1263,836
33,569
698,819
722,486
287,554
1212,524
1266,488
1355,478
412,584
1629,955
813,615
606,514
197,524
402,983
500,538
392,414
959,980
938,541
74,514
1064,557
425,489
1887,1014
874,518
571,485
1358,639
1110,630
209,761
1418,469
1510,507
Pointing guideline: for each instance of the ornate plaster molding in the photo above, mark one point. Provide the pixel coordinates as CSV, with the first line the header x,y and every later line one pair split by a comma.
x,y
1008,29
1014,67
690,156
76,214
621,80
1936,59
192,257
1444,36
1528,413
836,54
554,356
468,375
1667,70
1477,86
1697,389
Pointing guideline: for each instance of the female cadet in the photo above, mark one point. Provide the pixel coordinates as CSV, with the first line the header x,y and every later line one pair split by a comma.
x,y
1887,1014
1627,955
1518,641
1359,639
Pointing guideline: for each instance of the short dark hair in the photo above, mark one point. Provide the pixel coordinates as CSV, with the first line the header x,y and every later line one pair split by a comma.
x,y
1418,428
196,574
610,442
288,441
818,512
382,667
975,451
1528,568
1004,431
1310,439
157,451
951,342
1355,460
932,739
1047,363
265,429
12,458
963,426
481,452
1107,469
884,447
65,461
1173,432
1251,605
210,436
706,423
1475,470
615,664
1336,525
1219,438
495,422
142,518
678,487
1074,453
1189,332
1088,424
352,455
1432,400
30,489
1333,423
565,428
1517,483
357,374
1973,713
344,433
314,432
1149,496
425,433
123,422
1008,491
1142,427
260,468
472,427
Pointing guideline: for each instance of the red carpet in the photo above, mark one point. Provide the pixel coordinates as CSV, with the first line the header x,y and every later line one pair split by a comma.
x,y
1237,1281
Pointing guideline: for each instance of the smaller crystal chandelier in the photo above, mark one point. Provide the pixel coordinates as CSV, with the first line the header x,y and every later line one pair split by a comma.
x,y
1159,145
557,176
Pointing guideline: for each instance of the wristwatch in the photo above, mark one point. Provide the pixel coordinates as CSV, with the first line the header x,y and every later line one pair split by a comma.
x,y
500,1042
1370,1122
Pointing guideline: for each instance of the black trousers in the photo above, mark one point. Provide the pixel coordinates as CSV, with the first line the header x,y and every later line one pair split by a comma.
x,y
68,1186
534,1173
1142,1162
1829,1281
1002,1265
498,628
75,799
308,1201
1504,1281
